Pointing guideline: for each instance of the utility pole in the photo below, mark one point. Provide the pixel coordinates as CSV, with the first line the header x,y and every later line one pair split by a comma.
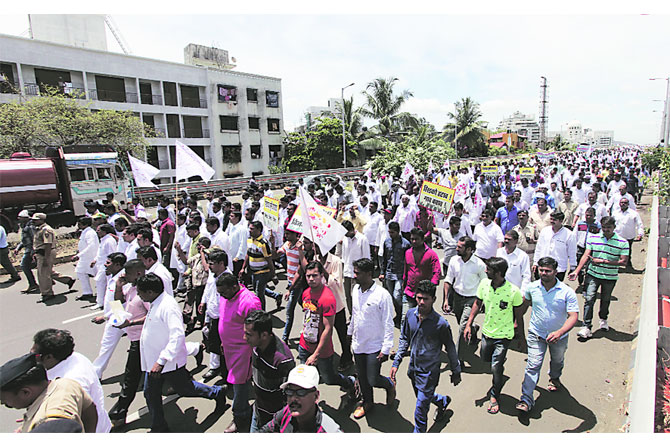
x,y
665,124
543,113
344,132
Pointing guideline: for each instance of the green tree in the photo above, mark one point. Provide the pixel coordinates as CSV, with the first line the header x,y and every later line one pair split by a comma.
x,y
318,148
392,158
558,143
383,105
468,128
56,120
353,121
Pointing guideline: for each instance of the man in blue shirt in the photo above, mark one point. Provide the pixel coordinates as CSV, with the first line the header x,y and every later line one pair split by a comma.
x,y
506,217
423,333
554,312
393,266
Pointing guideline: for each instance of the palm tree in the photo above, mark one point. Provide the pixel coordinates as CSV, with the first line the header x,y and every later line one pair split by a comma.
x,y
384,106
467,129
353,122
558,143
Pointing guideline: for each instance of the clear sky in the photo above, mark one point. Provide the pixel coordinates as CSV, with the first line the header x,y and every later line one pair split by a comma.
x,y
598,66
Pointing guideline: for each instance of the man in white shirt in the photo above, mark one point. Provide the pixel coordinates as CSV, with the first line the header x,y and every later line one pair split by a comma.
x,y
129,235
371,231
613,204
520,204
488,235
614,185
405,215
181,237
111,334
371,331
55,351
578,192
518,262
88,250
628,226
354,247
163,353
592,202
238,235
557,242
106,247
219,238
464,274
149,257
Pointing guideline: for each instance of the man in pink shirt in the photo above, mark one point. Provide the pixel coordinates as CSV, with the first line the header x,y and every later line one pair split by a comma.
x,y
126,292
237,303
421,262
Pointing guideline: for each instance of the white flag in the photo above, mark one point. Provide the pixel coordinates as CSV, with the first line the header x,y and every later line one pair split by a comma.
x,y
431,168
190,164
319,227
368,173
143,172
446,164
407,172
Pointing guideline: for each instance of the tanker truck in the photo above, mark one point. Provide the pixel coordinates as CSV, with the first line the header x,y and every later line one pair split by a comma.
x,y
59,183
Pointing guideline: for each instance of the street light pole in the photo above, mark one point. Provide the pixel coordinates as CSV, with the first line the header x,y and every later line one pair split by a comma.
x,y
344,133
665,125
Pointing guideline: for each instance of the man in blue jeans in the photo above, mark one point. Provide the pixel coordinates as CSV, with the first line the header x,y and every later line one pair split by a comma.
x,y
503,301
393,266
554,312
423,334
163,353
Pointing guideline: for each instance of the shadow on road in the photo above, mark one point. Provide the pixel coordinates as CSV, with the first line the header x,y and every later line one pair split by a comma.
x,y
388,420
342,416
614,335
563,402
179,421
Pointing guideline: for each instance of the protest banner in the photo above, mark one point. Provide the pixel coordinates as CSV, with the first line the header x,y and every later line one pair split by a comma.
x,y
490,171
527,172
436,197
296,221
270,213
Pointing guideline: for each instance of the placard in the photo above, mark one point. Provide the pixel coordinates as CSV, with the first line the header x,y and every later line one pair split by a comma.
x,y
436,197
490,171
270,213
527,172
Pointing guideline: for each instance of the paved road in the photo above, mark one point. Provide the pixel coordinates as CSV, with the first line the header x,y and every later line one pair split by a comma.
x,y
594,376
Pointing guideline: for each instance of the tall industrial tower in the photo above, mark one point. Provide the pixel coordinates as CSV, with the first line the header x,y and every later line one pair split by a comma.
x,y
543,113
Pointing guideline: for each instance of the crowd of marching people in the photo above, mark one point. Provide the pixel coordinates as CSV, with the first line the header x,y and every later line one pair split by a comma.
x,y
359,262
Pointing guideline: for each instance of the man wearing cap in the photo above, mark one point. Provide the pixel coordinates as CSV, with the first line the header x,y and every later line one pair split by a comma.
x,y
27,236
24,384
88,249
45,246
301,413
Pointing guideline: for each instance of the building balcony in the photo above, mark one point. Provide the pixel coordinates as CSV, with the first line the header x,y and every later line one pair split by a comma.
x,y
151,99
194,102
113,96
195,133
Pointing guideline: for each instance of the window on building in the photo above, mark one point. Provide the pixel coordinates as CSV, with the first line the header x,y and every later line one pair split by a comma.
x,y
232,154
152,156
110,89
272,99
275,150
256,151
254,122
192,126
229,122
273,125
7,84
252,95
145,93
190,96
57,79
173,129
170,93
227,93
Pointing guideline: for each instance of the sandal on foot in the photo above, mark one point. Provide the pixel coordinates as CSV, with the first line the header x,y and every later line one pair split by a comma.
x,y
493,408
554,385
523,407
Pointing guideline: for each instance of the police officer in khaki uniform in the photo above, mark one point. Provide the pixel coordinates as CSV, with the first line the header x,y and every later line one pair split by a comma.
x,y
44,246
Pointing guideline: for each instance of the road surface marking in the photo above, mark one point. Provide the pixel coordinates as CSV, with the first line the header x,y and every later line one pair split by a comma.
x,y
82,317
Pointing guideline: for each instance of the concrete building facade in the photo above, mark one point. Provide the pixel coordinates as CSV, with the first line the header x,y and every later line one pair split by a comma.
x,y
574,133
523,125
233,120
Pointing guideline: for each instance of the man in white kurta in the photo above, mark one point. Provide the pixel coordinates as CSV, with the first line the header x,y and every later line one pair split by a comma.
x,y
87,252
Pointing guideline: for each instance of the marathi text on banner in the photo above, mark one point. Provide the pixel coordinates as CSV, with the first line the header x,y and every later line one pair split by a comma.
x,y
490,170
527,172
436,197
296,221
270,213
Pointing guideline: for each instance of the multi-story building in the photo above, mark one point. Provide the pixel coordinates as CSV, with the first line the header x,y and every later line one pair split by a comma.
x,y
574,133
333,110
233,120
523,125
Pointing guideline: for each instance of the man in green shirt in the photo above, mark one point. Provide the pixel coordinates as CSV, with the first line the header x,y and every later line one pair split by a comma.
x,y
607,252
503,302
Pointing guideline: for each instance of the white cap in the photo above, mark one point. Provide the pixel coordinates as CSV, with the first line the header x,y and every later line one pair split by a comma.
x,y
304,376
24,213
142,213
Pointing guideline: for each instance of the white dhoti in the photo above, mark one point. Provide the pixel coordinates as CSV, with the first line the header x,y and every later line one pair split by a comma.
x,y
110,338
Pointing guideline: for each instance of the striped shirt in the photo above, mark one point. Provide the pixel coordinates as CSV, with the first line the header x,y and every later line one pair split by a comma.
x,y
258,249
292,259
610,249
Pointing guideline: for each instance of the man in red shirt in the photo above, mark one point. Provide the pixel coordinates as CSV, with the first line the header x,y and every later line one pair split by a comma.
x,y
316,339
167,233
421,262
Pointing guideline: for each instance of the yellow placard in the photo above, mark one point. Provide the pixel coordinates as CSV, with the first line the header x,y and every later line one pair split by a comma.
x,y
490,170
436,197
270,213
527,172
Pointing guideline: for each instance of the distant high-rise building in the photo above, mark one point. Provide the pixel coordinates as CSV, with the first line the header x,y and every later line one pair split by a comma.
x,y
525,125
